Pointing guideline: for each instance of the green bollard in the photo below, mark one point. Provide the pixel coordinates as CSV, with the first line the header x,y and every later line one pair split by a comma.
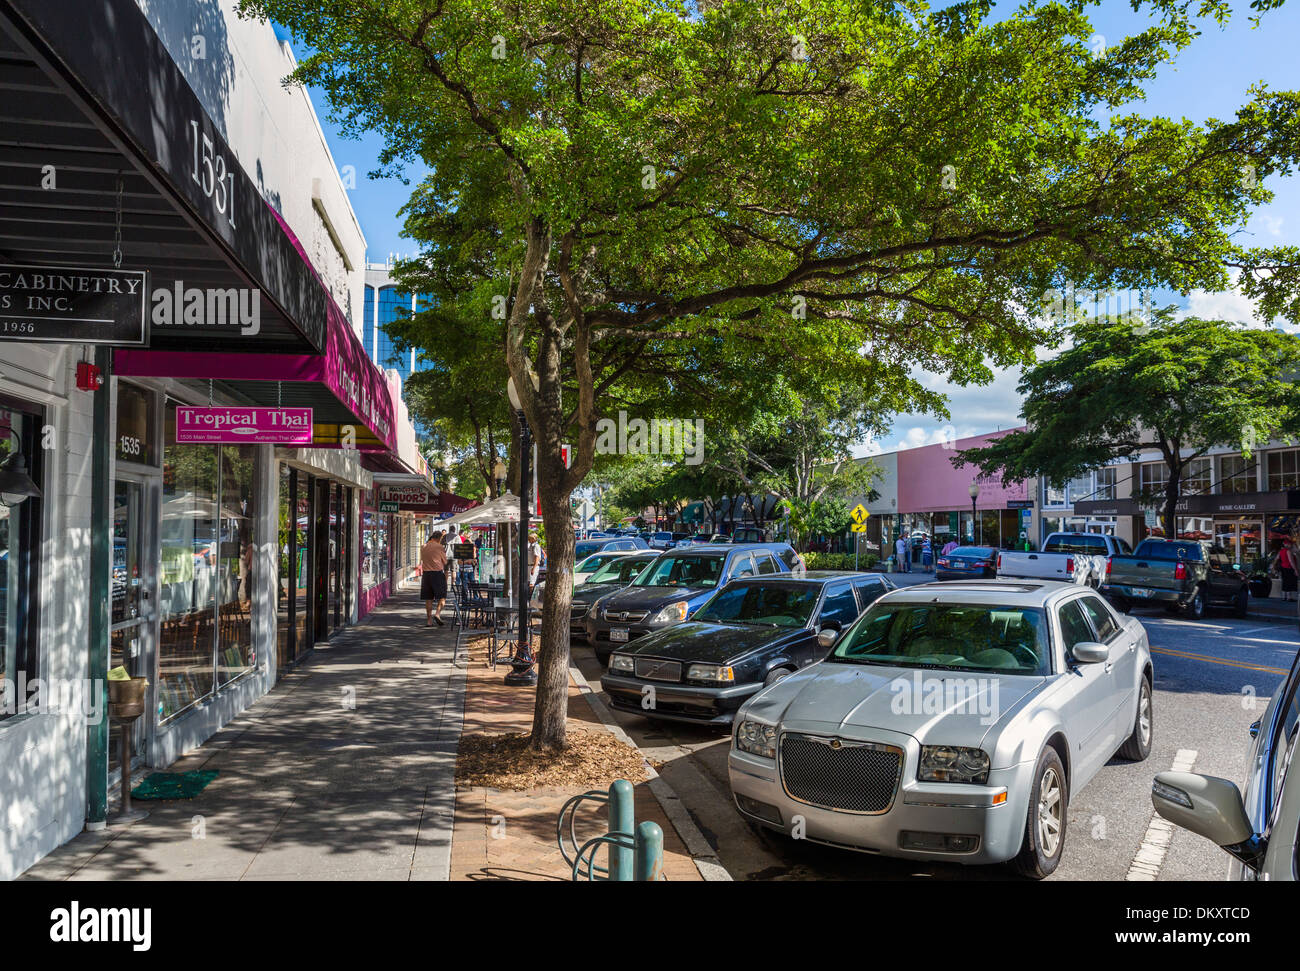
x,y
649,852
622,819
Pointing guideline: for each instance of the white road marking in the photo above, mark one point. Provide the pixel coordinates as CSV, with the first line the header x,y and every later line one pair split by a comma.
x,y
1160,832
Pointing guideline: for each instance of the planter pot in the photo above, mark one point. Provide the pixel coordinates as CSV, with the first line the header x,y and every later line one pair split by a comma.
x,y
126,698
1261,587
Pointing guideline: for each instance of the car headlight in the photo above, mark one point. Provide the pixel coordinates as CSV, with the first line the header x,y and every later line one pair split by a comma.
x,y
757,739
621,662
717,673
952,763
671,614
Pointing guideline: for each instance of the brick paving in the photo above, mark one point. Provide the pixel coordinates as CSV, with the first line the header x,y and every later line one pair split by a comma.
x,y
501,835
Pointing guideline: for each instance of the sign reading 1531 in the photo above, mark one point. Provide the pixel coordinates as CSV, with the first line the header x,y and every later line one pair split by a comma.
x,y
211,174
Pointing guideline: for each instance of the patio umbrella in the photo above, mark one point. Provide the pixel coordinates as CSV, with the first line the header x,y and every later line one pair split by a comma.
x,y
503,509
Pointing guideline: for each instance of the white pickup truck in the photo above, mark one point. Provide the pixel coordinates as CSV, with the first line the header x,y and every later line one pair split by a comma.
x,y
1071,557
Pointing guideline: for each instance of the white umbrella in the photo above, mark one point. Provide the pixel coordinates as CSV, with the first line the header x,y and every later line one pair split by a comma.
x,y
503,509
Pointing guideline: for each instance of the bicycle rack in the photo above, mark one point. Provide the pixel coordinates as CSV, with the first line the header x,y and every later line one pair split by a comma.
x,y
635,852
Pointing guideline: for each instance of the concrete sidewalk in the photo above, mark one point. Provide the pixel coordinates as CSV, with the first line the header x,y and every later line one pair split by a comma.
x,y
345,771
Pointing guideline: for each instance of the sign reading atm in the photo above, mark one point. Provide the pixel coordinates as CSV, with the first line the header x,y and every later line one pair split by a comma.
x,y
220,425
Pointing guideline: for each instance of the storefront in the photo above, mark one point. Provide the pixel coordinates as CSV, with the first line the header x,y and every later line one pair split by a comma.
x,y
123,542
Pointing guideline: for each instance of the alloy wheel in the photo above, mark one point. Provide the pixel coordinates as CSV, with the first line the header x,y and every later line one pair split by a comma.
x,y
1049,813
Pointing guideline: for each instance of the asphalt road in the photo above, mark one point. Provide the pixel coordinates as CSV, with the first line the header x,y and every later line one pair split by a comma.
x,y
1213,678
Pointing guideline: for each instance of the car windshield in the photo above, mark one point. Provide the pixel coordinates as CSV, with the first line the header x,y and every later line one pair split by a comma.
x,y
594,562
683,571
587,547
620,569
984,637
753,603
978,552
1084,545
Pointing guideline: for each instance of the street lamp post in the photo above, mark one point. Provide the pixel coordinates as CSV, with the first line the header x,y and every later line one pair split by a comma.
x,y
522,672
974,494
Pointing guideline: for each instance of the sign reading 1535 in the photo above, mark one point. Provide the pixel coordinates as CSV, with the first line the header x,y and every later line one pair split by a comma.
x,y
211,174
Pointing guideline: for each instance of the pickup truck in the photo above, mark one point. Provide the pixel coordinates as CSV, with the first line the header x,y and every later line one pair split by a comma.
x,y
1179,574
1072,557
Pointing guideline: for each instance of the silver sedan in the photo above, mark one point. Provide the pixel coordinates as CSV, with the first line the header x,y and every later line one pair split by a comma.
x,y
951,722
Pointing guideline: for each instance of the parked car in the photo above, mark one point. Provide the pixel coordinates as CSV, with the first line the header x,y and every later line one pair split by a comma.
x,y
612,544
751,633
1178,574
675,587
720,538
616,573
966,563
589,565
951,722
1072,557
748,534
662,541
1261,831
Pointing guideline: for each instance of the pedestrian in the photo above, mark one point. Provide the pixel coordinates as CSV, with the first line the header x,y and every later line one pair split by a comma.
x,y
900,547
433,579
948,547
926,553
1286,567
534,558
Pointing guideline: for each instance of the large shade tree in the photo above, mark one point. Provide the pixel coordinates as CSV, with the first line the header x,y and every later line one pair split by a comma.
x,y
1178,387
643,191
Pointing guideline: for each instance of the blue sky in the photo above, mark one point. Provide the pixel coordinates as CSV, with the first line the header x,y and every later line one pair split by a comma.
x,y
1209,80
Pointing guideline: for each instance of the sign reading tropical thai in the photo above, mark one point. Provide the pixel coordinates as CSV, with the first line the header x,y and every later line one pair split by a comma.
x,y
60,304
220,425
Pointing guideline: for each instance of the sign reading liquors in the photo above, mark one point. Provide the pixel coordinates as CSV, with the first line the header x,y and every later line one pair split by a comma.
x,y
62,304
243,426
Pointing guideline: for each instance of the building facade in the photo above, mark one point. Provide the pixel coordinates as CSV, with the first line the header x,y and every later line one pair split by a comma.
x,y
176,247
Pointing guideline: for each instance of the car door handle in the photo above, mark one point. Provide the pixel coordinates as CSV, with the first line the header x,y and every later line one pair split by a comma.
x,y
1133,647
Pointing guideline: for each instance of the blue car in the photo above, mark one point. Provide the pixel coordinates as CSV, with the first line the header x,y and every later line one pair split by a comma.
x,y
967,563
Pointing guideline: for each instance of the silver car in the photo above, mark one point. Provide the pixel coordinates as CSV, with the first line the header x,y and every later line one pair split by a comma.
x,y
951,722
1262,831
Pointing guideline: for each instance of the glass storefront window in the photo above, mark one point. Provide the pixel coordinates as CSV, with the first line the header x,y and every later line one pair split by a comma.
x,y
188,572
135,428
1283,470
20,525
236,558
377,530
207,577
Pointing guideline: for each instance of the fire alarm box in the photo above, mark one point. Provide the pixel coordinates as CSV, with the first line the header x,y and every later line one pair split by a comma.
x,y
89,377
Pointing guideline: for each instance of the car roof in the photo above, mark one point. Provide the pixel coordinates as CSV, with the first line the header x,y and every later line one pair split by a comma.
x,y
1008,593
810,578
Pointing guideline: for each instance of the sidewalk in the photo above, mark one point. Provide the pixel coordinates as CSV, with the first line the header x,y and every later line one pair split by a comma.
x,y
346,771
309,788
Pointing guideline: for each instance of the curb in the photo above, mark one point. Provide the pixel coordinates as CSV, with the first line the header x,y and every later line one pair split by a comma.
x,y
702,854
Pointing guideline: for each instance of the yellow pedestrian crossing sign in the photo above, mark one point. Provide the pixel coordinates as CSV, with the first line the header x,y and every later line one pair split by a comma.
x,y
859,527
859,515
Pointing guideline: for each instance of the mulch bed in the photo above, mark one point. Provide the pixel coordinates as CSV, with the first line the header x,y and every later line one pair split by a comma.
x,y
592,760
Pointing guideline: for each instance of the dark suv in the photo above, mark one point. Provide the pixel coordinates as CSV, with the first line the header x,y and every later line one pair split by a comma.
x,y
674,587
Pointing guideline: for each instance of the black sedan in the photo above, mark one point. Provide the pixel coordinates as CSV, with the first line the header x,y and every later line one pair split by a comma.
x,y
750,634
967,563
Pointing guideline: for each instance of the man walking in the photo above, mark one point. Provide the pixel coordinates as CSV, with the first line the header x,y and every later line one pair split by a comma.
x,y
900,547
433,581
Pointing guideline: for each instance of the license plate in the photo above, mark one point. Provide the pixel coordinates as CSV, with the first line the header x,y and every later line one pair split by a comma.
x,y
1141,592
618,634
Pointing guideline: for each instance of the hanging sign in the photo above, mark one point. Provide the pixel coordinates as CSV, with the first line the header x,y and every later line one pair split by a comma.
x,y
59,304
220,425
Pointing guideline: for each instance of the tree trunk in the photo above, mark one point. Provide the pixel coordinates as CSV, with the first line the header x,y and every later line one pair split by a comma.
x,y
551,707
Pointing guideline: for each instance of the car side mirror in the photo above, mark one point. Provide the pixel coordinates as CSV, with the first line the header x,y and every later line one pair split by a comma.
x,y
1207,806
827,637
1090,652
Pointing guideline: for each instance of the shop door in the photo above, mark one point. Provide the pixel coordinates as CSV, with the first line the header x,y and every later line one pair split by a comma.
x,y
133,597
323,579
1240,540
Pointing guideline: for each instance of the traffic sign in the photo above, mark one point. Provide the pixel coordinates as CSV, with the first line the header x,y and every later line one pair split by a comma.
x,y
859,513
859,527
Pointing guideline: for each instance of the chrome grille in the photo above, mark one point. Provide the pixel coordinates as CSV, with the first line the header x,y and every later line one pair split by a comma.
x,y
620,616
653,669
578,610
855,777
